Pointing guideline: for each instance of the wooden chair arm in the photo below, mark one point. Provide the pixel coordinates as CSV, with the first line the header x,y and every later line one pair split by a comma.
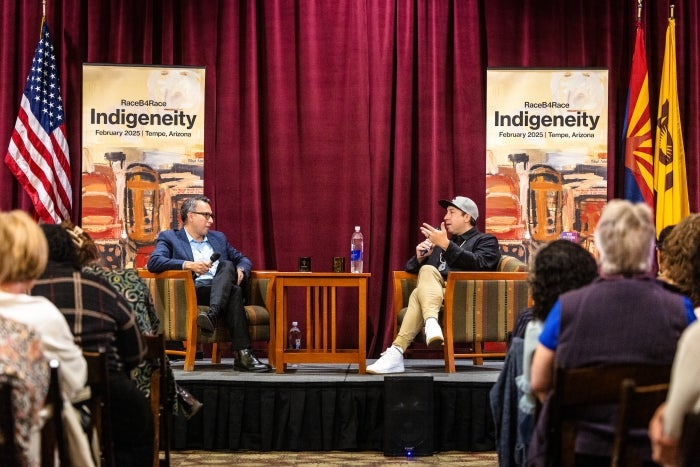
x,y
172,274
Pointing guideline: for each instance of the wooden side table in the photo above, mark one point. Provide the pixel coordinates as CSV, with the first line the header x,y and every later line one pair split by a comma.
x,y
321,318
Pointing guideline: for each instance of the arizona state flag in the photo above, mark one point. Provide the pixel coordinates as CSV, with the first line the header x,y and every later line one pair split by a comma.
x,y
639,159
669,157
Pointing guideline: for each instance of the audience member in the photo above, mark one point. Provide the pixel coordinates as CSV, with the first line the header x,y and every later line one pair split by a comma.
x,y
676,259
128,283
684,392
23,364
466,250
624,316
660,247
23,257
557,267
102,319
219,279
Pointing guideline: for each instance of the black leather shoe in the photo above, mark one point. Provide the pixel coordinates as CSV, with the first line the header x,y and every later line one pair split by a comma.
x,y
206,321
247,361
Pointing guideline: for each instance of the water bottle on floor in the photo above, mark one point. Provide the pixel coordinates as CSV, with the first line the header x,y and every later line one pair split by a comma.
x,y
295,336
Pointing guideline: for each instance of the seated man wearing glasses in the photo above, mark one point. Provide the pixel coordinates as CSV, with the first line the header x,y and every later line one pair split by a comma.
x,y
219,271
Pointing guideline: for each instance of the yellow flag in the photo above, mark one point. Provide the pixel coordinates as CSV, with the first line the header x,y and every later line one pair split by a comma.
x,y
669,156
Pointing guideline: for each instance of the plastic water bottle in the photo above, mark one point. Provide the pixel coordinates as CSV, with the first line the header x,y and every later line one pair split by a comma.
x,y
356,250
295,336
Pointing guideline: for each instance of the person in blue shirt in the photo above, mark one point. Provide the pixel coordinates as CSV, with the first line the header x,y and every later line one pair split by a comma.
x,y
624,316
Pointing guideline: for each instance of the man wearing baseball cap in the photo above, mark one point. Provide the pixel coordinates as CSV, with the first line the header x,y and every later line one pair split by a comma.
x,y
466,249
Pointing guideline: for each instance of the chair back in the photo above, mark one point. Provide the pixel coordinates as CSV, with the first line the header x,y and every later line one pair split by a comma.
x,y
52,433
99,403
8,446
578,388
161,401
637,406
689,445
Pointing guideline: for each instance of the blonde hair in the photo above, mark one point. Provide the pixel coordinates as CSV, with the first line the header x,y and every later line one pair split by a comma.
x,y
625,238
23,248
678,249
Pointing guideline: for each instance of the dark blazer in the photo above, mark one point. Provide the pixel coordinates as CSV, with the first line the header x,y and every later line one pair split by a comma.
x,y
173,249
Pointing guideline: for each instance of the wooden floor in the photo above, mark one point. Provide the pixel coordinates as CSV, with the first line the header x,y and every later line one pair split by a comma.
x,y
333,458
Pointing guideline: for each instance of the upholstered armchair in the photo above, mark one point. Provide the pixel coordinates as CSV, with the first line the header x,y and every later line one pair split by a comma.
x,y
175,300
481,307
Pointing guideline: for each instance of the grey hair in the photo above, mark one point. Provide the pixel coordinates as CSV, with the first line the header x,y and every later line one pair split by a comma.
x,y
625,237
190,204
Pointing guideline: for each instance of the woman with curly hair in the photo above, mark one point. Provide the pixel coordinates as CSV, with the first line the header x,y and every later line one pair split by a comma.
x,y
677,258
666,427
558,267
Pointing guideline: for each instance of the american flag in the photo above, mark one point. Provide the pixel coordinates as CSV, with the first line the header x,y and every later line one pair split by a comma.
x,y
38,150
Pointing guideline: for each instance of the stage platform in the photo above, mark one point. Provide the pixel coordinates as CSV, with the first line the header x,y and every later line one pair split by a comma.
x,y
315,407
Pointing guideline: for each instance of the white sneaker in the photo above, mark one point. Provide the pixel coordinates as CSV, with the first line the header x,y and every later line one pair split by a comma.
x,y
391,361
433,333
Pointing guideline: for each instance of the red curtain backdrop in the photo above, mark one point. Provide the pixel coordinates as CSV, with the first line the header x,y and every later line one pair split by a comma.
x,y
326,114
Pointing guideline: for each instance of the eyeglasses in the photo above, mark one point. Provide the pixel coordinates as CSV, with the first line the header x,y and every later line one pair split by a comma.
x,y
207,215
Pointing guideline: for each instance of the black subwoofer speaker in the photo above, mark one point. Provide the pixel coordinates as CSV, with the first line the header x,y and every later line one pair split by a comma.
x,y
408,416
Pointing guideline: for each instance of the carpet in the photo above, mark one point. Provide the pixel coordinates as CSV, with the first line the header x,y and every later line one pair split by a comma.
x,y
326,459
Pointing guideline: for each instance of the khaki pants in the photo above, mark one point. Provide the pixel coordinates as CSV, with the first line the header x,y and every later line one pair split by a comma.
x,y
425,302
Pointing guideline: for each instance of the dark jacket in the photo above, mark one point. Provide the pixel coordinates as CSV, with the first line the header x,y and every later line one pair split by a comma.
x,y
471,251
513,427
173,249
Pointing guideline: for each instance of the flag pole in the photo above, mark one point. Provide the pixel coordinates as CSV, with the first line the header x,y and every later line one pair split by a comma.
x,y
639,10
43,16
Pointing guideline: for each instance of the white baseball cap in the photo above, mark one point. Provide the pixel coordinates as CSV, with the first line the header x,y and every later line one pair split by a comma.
x,y
462,203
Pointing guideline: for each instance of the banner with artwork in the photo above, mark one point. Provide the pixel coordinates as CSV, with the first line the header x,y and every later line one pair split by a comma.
x,y
546,156
142,154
